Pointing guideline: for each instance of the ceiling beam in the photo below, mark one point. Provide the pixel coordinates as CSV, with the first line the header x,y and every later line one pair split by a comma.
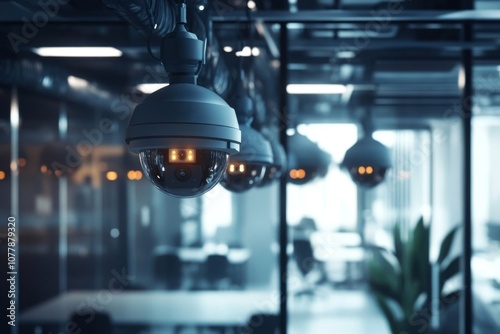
x,y
395,15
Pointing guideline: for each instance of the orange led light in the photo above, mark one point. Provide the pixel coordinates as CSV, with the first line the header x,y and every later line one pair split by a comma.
x,y
134,175
369,170
301,174
112,176
2,175
242,168
361,170
231,168
297,174
43,169
181,155
173,155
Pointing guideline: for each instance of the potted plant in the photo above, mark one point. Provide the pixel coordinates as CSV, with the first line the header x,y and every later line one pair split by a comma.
x,y
401,280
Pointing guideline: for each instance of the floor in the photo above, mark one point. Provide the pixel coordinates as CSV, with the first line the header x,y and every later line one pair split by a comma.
x,y
339,311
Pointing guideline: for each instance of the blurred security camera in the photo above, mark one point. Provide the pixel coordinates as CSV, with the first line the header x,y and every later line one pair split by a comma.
x,y
367,162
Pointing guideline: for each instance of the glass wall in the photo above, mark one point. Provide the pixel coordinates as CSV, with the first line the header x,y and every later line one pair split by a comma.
x,y
414,201
97,239
326,265
485,195
388,254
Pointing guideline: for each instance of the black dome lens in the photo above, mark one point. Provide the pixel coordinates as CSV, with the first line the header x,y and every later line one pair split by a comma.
x,y
182,174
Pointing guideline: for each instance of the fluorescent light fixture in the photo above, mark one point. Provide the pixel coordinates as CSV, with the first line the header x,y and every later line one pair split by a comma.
x,y
346,54
78,52
315,89
248,52
77,83
228,49
461,78
251,4
148,88
245,52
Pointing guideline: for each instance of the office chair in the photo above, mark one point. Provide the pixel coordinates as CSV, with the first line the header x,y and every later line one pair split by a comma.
x,y
168,271
217,270
100,324
261,323
304,258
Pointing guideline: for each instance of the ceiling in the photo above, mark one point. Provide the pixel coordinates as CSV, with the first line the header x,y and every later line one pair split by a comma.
x,y
405,67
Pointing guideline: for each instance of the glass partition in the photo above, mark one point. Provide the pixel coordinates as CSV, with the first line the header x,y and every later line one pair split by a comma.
x,y
388,254
99,241
485,194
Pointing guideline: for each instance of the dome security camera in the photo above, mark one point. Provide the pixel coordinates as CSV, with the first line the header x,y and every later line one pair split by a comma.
x,y
278,167
306,160
367,162
184,133
247,168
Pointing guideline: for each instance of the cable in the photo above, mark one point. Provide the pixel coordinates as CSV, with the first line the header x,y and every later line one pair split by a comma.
x,y
150,13
151,32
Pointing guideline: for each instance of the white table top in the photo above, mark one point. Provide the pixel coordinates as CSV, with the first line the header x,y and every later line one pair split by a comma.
x,y
337,246
157,308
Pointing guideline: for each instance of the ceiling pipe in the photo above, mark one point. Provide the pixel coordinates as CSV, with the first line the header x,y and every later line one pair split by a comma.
x,y
55,81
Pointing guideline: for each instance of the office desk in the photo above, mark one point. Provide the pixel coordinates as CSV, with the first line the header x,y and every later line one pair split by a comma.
x,y
199,255
194,260
157,308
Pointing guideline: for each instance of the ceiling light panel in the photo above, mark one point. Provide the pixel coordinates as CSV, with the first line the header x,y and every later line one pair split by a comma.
x,y
315,89
96,52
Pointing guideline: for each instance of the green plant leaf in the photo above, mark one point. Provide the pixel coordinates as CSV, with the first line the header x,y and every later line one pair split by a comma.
x,y
411,292
419,255
398,243
401,280
384,276
386,290
451,270
386,309
446,244
374,248
381,258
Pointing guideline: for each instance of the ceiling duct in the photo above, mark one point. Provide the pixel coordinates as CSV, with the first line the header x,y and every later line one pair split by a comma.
x,y
55,81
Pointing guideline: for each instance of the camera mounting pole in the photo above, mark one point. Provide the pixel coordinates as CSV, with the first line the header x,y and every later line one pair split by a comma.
x,y
367,124
182,53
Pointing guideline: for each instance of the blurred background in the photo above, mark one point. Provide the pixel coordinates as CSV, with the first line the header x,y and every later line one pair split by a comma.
x,y
99,245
